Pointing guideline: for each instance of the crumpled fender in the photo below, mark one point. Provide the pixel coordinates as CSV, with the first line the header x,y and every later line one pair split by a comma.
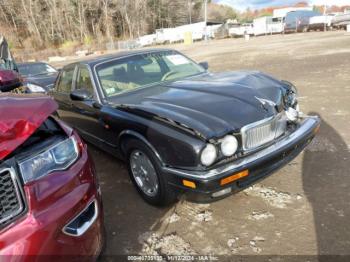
x,y
20,116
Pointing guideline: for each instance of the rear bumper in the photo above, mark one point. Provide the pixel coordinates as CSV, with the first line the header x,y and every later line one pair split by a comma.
x,y
53,202
259,164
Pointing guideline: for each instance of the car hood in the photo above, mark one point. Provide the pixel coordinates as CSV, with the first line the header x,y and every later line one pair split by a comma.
x,y
211,104
20,116
42,80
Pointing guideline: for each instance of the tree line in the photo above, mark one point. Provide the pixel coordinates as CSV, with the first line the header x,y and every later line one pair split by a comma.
x,y
42,23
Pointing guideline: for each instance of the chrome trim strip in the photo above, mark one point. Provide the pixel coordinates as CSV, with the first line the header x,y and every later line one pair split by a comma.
x,y
85,226
98,95
306,126
17,191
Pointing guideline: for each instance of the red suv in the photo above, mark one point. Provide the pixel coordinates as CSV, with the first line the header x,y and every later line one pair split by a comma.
x,y
9,80
9,77
50,202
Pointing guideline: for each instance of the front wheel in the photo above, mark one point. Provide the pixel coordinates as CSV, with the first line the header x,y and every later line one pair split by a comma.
x,y
145,172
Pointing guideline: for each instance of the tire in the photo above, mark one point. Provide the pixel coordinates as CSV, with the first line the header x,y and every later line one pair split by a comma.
x,y
164,195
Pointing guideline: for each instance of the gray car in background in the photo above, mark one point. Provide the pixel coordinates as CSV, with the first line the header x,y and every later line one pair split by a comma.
x,y
38,77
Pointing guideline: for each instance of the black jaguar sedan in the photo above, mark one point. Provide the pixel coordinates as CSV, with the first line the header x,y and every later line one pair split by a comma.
x,y
181,128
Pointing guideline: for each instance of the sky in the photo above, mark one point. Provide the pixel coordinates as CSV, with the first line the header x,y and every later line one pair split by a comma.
x,y
242,5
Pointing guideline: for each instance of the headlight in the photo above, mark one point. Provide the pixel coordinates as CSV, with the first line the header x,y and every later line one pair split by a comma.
x,y
58,157
208,155
229,145
291,97
35,88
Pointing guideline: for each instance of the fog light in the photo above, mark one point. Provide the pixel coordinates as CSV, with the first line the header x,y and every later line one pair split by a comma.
x,y
234,177
83,221
188,183
222,192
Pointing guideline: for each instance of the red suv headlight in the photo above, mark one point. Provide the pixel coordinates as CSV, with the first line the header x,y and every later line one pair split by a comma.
x,y
58,157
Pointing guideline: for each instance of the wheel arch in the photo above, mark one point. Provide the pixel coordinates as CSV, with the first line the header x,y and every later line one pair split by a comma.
x,y
130,134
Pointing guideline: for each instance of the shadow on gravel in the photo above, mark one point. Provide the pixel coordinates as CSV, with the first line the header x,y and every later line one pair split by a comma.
x,y
326,182
127,216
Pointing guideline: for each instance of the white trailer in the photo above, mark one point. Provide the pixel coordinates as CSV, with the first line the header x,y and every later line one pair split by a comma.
x,y
341,19
168,35
147,40
241,30
177,34
320,22
260,25
212,29
267,25
197,30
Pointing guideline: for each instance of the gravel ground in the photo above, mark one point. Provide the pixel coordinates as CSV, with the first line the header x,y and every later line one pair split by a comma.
x,y
303,209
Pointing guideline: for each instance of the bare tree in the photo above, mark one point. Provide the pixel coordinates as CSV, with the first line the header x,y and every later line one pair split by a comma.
x,y
53,22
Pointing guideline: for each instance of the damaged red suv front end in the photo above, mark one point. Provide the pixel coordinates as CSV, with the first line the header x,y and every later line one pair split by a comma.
x,y
50,203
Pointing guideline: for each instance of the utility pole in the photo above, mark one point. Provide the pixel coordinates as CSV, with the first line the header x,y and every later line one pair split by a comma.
x,y
324,14
205,19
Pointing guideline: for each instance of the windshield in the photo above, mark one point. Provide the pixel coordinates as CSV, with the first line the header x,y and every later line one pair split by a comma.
x,y
35,69
137,71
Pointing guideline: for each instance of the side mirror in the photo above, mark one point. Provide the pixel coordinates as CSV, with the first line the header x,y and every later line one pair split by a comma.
x,y
80,95
205,65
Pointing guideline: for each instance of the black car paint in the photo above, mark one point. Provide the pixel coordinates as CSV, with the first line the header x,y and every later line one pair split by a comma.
x,y
212,104
45,80
201,108
257,171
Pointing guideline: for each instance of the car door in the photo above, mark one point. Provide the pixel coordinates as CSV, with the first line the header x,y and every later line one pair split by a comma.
x,y
61,93
86,113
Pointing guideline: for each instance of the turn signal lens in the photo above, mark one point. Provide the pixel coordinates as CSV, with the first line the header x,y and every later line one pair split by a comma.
x,y
188,183
234,177
317,129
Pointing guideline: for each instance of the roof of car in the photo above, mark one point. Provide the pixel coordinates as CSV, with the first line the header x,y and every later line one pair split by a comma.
x,y
100,59
30,63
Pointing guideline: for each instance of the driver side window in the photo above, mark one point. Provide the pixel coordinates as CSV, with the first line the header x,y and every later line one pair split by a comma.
x,y
84,81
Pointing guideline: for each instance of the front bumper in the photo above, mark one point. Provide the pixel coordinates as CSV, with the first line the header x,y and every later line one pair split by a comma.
x,y
259,164
53,202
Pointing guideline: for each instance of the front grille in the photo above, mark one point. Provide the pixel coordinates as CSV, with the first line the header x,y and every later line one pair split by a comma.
x,y
11,203
262,132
